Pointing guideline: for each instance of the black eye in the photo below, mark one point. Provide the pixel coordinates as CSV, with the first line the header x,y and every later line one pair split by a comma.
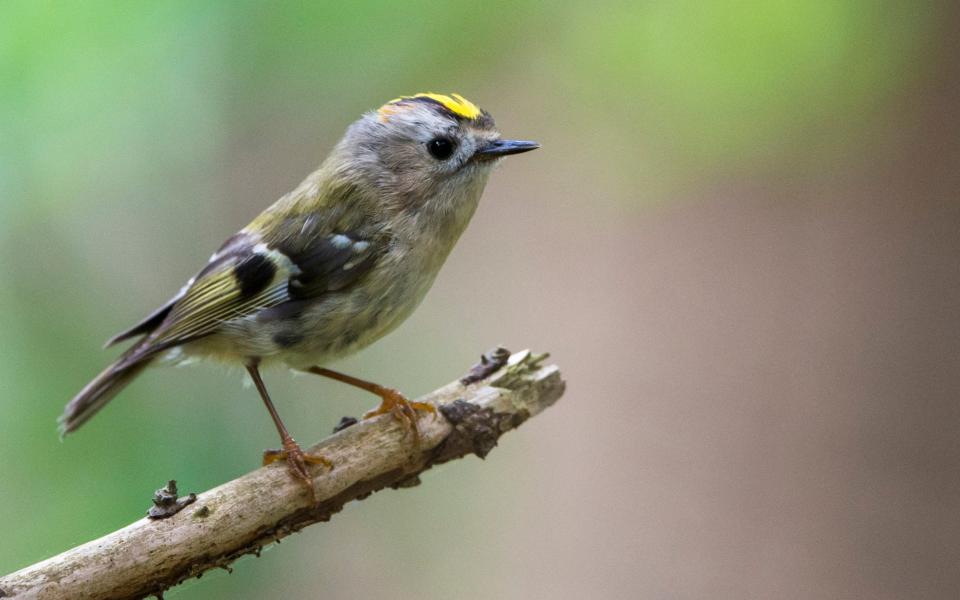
x,y
441,148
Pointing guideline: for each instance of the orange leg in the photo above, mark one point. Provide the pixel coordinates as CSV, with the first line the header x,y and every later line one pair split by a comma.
x,y
392,401
296,459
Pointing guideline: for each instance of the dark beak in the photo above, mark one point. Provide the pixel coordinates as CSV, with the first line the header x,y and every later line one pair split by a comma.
x,y
505,147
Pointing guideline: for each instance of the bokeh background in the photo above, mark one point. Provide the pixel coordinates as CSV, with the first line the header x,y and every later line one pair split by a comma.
x,y
740,241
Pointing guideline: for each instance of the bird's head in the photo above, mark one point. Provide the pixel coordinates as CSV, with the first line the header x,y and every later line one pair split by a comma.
x,y
428,152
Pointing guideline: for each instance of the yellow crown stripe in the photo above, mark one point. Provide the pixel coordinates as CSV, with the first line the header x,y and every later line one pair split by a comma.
x,y
455,103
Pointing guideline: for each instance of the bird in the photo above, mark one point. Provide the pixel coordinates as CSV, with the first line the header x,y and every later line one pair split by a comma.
x,y
330,267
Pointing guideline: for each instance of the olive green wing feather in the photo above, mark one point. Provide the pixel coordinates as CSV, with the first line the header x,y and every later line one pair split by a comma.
x,y
233,288
249,275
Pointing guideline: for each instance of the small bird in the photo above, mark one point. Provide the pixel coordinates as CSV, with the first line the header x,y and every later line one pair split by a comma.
x,y
330,267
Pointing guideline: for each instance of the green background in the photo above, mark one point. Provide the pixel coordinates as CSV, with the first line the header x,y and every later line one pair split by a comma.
x,y
718,183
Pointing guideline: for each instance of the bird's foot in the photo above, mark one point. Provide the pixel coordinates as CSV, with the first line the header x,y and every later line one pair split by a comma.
x,y
297,461
403,410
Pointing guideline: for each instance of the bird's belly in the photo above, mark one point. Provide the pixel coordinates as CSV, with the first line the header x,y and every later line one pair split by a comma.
x,y
339,327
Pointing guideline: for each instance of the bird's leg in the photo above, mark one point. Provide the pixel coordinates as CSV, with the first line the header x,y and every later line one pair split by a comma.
x,y
296,459
392,401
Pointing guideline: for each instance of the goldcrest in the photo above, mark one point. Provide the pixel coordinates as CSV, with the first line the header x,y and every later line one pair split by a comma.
x,y
330,267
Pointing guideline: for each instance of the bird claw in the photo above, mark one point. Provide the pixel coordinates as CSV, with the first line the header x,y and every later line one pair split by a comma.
x,y
403,410
297,461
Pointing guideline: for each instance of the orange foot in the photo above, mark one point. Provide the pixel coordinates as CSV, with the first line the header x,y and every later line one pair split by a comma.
x,y
403,410
297,461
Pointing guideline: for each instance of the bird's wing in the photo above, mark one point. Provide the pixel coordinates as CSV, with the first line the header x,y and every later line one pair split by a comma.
x,y
249,274
148,323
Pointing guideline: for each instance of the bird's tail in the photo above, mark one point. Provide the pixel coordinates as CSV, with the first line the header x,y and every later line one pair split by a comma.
x,y
101,390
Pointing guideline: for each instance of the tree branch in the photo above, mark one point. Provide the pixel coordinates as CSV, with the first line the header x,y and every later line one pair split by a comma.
x,y
244,515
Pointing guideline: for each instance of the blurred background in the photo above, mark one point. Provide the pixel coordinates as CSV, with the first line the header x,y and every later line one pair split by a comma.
x,y
739,241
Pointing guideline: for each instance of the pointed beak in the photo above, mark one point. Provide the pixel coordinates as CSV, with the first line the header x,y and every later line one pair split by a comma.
x,y
499,148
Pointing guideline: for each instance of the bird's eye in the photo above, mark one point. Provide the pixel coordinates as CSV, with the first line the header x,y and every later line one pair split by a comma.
x,y
441,148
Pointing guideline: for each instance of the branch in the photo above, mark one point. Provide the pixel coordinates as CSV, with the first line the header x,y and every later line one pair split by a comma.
x,y
244,515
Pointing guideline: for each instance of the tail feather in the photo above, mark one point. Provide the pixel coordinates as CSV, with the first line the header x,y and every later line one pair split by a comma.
x,y
98,392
